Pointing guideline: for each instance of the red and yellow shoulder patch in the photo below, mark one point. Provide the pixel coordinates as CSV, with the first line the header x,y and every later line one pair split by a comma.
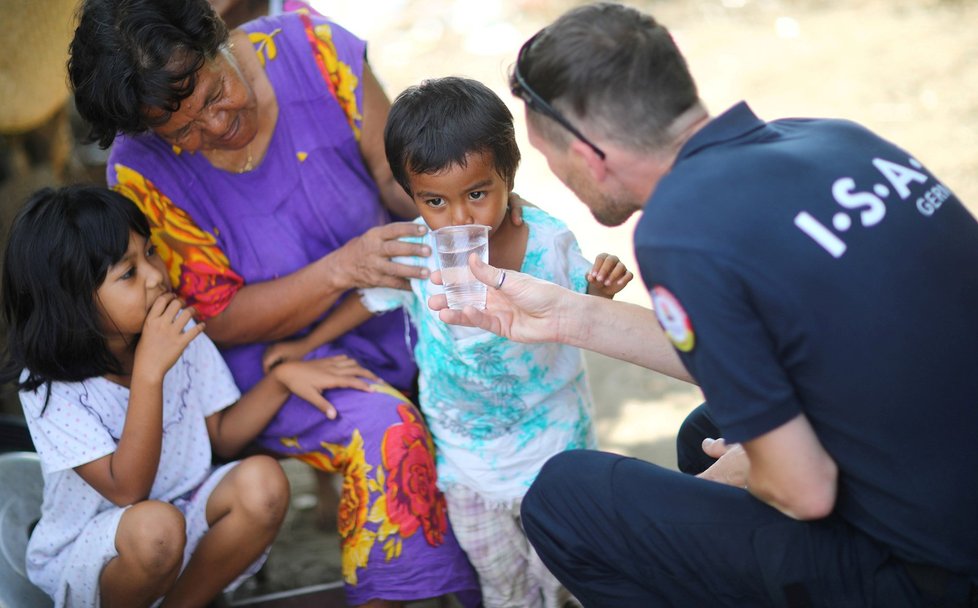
x,y
673,318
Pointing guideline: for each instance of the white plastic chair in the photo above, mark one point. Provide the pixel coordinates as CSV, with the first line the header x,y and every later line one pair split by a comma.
x,y
21,488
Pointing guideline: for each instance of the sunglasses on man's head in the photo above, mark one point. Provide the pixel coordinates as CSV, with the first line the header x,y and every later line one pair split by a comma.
x,y
536,103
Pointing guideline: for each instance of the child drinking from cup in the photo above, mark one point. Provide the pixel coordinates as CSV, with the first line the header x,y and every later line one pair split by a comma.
x,y
497,409
125,398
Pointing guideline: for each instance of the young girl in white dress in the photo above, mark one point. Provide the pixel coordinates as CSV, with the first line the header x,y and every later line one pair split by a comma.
x,y
125,397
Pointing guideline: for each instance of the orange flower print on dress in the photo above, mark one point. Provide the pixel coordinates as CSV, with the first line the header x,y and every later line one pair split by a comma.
x,y
357,541
339,77
389,502
413,499
198,269
211,293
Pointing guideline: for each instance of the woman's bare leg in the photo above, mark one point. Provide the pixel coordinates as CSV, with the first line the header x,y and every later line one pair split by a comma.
x,y
150,541
244,514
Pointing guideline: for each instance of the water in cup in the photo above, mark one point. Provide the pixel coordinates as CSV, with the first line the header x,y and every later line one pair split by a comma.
x,y
454,245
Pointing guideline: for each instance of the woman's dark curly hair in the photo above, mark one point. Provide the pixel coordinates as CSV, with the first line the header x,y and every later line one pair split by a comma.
x,y
61,246
131,55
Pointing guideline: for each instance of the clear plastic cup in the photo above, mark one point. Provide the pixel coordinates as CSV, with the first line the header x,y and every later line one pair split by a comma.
x,y
454,245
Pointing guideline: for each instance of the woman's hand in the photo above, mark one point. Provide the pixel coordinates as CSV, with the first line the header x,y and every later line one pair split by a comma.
x,y
365,261
524,309
308,379
163,340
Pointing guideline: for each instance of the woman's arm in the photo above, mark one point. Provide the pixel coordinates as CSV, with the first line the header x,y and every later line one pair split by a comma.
x,y
376,106
273,310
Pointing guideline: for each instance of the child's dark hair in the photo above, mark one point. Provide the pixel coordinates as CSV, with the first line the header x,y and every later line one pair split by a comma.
x,y
61,245
435,125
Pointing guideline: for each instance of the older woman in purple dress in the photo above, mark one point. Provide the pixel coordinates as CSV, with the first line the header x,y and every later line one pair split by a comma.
x,y
257,155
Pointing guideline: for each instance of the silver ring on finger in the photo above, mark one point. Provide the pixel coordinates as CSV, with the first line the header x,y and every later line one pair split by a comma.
x,y
502,278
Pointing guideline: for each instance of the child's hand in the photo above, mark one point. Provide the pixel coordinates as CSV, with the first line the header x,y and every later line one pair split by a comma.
x,y
163,339
516,204
293,350
308,379
608,276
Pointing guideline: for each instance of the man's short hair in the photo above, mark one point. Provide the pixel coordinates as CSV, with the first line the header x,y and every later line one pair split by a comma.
x,y
613,67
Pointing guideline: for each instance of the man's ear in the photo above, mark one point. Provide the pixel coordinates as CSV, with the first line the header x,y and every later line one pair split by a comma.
x,y
589,159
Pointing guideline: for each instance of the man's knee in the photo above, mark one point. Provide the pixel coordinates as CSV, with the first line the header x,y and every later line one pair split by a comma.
x,y
689,441
555,477
565,487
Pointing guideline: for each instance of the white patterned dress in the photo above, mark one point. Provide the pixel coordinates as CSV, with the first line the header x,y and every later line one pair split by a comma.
x,y
83,422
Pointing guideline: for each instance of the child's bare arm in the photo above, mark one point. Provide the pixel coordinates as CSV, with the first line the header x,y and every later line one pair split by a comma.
x,y
232,428
126,476
350,313
608,276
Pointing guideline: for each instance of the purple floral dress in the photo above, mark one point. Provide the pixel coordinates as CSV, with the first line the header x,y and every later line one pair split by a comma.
x,y
217,231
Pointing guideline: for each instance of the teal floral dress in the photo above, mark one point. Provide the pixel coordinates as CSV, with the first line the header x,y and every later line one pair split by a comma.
x,y
499,409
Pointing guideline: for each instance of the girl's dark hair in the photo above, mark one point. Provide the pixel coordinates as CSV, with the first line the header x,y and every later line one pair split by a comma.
x,y
61,245
131,55
436,124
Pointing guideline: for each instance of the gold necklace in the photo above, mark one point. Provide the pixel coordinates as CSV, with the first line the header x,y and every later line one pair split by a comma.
x,y
248,166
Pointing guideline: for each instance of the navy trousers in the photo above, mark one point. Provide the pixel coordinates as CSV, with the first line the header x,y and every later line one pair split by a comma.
x,y
624,533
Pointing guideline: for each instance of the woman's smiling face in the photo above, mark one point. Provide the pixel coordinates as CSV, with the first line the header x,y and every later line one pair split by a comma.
x,y
220,114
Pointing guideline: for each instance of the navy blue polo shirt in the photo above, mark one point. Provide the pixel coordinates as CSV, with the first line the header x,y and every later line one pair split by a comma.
x,y
810,266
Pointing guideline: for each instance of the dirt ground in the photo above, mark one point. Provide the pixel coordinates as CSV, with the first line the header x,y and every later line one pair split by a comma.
x,y
907,69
